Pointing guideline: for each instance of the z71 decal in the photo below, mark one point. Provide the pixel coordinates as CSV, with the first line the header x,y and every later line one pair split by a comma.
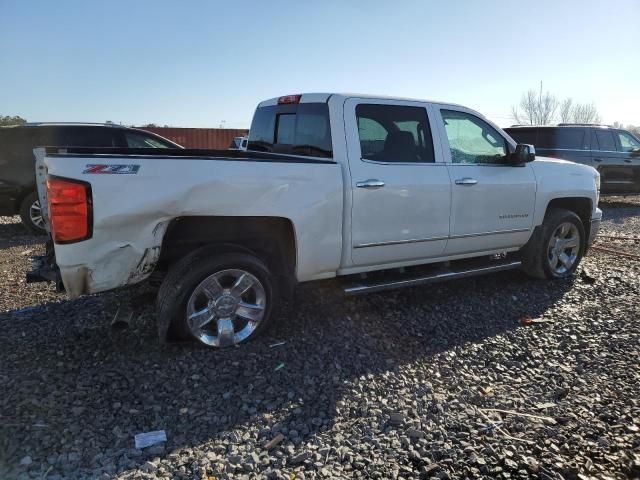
x,y
112,169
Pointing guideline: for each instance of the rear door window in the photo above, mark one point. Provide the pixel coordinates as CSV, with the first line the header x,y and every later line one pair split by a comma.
x,y
528,136
562,138
294,129
88,137
17,144
605,140
140,140
394,133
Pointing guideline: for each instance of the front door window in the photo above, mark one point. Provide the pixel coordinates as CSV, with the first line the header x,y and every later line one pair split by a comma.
x,y
473,140
628,143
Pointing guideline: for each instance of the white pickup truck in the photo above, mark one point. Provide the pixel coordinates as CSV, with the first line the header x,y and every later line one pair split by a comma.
x,y
384,192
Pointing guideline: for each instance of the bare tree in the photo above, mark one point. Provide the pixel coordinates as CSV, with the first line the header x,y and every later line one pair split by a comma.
x,y
566,110
586,113
538,108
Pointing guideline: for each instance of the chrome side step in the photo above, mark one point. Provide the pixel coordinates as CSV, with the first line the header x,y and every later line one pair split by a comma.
x,y
439,276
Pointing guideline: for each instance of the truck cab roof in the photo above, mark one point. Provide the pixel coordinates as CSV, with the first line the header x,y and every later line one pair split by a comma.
x,y
324,97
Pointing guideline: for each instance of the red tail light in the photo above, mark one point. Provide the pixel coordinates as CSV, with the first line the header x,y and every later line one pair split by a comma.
x,y
289,99
69,203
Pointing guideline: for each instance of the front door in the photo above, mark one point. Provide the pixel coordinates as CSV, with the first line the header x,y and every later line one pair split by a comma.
x,y
400,187
492,201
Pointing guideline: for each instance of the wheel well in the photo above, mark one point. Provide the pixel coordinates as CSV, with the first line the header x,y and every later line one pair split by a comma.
x,y
24,193
272,239
579,205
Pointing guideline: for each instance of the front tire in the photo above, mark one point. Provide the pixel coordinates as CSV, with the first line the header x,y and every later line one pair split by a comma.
x,y
31,214
557,247
221,300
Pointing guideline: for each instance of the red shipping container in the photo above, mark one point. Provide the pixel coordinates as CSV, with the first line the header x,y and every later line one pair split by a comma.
x,y
211,138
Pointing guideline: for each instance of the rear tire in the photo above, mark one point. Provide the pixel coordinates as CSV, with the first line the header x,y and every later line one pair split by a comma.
x,y
219,299
556,248
31,214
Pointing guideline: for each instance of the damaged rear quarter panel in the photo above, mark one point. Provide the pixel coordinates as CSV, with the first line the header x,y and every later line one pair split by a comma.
x,y
111,264
131,212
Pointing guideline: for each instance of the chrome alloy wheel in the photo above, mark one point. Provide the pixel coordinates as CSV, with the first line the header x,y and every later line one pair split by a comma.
x,y
35,215
226,308
564,247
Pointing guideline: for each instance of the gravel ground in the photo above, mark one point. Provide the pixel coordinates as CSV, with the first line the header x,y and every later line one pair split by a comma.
x,y
442,381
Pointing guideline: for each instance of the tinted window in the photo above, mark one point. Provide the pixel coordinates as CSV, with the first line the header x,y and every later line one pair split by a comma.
x,y
286,128
567,138
140,140
18,143
522,135
394,133
87,137
627,142
299,129
606,141
472,140
43,136
14,142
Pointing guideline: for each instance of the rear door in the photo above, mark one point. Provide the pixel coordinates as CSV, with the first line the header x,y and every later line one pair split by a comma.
x,y
617,173
492,201
566,143
400,188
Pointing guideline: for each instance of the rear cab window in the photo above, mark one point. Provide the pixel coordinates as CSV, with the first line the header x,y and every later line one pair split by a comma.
x,y
295,129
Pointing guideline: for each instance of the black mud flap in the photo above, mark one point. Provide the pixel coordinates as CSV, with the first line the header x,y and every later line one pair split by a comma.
x,y
44,268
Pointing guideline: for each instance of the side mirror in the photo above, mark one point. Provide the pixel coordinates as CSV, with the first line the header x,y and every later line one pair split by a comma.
x,y
524,153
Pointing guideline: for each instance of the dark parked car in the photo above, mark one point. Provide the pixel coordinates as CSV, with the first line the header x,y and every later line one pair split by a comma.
x,y
17,177
615,153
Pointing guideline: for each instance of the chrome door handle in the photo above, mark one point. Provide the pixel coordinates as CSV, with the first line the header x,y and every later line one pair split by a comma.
x,y
371,183
466,181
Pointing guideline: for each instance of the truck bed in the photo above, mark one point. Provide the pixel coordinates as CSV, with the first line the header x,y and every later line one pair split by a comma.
x,y
137,193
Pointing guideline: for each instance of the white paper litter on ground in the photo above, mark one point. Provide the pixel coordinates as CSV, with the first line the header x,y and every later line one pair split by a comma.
x,y
150,438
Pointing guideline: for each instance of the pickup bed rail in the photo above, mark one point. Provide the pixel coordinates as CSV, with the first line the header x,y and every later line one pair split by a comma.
x,y
191,153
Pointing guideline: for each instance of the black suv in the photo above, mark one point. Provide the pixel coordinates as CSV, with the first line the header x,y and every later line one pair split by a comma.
x,y
615,153
17,176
